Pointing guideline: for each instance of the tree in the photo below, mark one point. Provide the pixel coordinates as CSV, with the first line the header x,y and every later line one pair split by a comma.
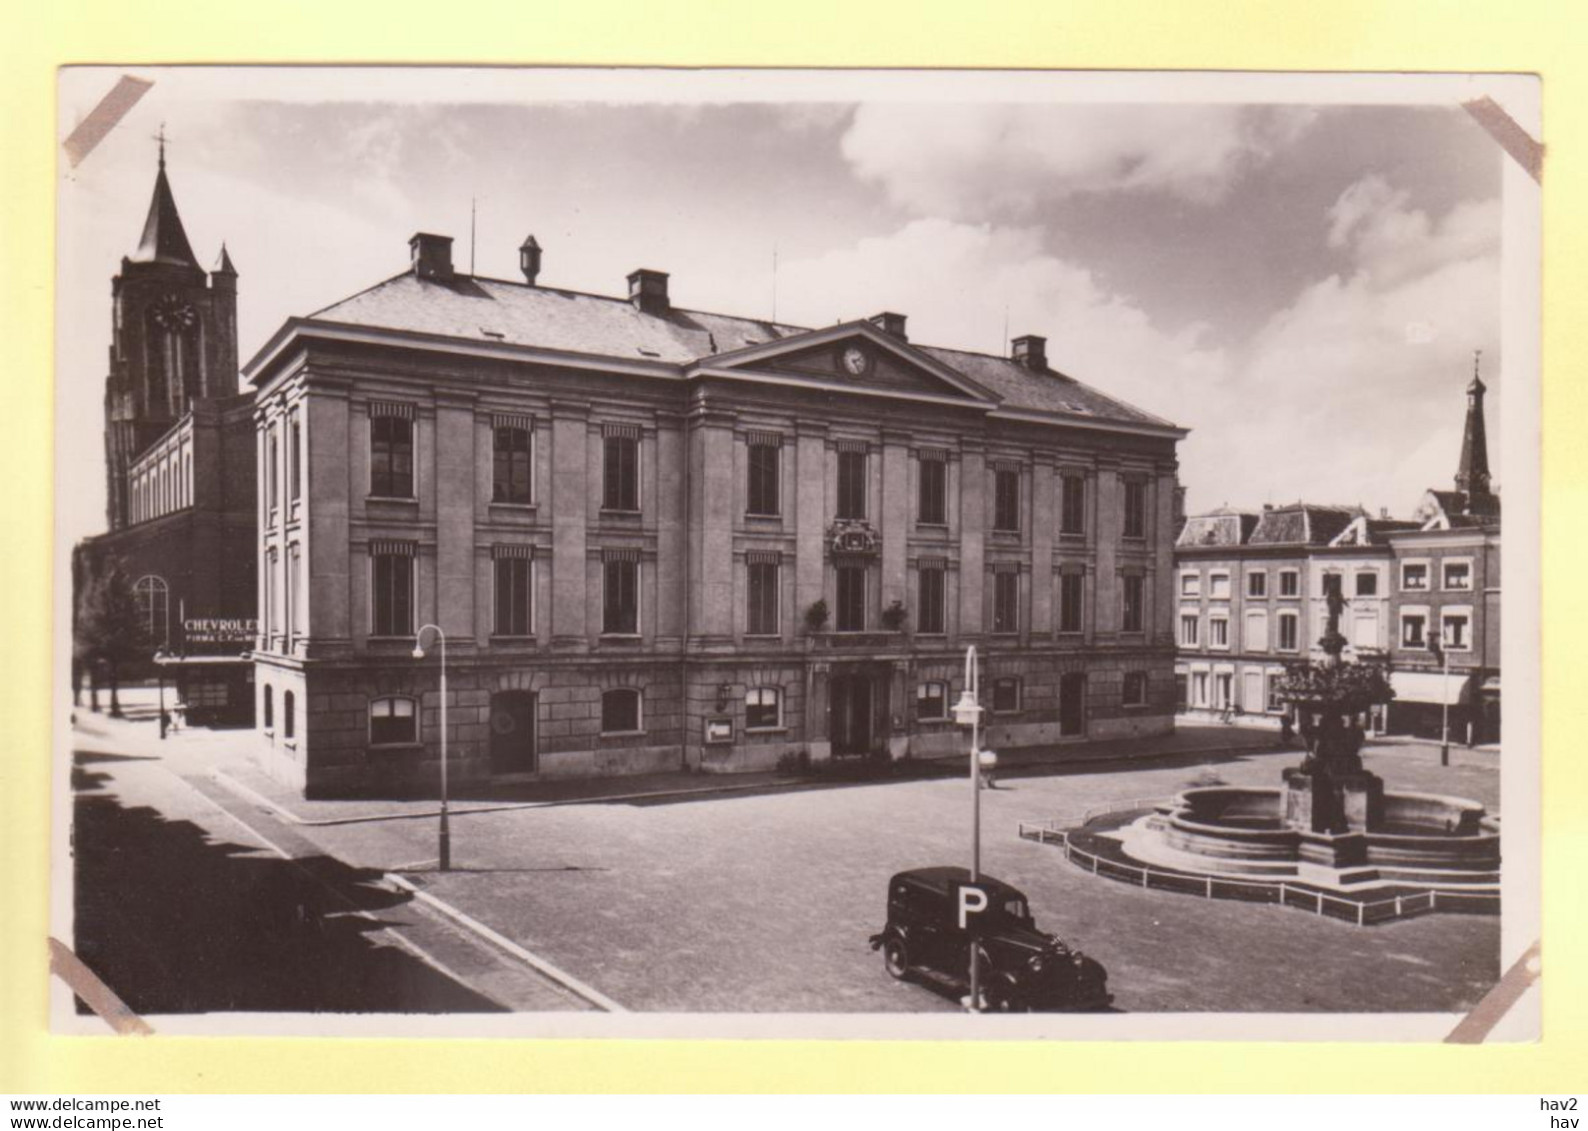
x,y
111,628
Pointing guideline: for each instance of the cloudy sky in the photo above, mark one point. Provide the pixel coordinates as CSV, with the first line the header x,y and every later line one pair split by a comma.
x,y
1302,283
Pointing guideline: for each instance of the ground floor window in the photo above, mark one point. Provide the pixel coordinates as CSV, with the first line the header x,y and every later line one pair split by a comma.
x,y
1182,691
620,711
931,701
1224,686
392,722
1199,689
1135,694
762,709
205,694
289,713
1275,703
1006,694
270,707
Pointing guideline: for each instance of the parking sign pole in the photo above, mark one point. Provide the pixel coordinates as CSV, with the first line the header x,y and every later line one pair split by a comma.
x,y
973,685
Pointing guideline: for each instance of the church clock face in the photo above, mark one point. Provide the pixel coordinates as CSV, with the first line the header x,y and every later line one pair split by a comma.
x,y
855,361
171,313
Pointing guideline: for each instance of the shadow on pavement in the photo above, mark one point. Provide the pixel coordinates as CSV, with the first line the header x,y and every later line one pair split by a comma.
x,y
175,922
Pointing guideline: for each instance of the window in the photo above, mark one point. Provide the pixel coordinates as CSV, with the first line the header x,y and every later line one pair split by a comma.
x,y
270,707
1006,500
289,715
267,600
851,484
1289,583
1458,575
851,613
1414,630
1289,632
1364,629
1135,509
1199,689
1275,703
762,585
620,595
1218,632
391,722
1190,629
1135,693
763,484
1219,586
621,481
1132,614
153,599
1006,694
1367,584
1006,602
931,702
510,458
1072,504
1071,587
1454,632
1257,584
762,709
391,457
1190,584
930,600
1224,689
932,504
1256,632
272,469
393,601
620,711
1414,576
294,459
514,594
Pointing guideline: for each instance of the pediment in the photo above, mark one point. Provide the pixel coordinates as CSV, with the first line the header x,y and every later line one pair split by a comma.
x,y
855,355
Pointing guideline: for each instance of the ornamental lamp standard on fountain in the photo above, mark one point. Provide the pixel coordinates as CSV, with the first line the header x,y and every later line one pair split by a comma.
x,y
444,835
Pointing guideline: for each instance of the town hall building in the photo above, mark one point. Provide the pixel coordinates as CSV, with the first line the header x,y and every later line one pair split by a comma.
x,y
655,538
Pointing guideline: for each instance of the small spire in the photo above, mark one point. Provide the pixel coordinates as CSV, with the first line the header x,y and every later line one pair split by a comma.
x,y
1472,472
164,240
223,265
160,137
1477,385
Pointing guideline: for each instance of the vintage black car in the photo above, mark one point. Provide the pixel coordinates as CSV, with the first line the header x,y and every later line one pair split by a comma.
x,y
1021,968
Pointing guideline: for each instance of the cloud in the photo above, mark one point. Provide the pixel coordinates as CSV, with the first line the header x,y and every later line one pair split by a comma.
x,y
1356,388
961,160
960,284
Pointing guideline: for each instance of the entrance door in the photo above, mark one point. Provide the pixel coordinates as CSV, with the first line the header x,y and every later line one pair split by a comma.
x,y
513,732
1072,704
851,715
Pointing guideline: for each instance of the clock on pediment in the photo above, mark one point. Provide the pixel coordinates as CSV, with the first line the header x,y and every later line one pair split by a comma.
x,y
172,314
855,361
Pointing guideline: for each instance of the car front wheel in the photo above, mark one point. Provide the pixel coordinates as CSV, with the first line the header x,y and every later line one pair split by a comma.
x,y
999,996
895,958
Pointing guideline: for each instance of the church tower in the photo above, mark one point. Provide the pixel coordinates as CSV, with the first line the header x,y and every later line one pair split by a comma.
x,y
173,340
1472,474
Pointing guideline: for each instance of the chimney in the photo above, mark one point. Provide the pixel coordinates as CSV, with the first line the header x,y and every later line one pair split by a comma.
x,y
529,259
431,256
1383,512
1030,351
648,291
891,324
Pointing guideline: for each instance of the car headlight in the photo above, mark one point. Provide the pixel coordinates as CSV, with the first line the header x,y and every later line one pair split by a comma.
x,y
1035,964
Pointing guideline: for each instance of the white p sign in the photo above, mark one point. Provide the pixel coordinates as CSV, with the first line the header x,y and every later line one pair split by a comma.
x,y
972,901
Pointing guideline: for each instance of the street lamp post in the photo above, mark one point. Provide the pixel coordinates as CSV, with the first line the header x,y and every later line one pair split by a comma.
x,y
444,837
967,712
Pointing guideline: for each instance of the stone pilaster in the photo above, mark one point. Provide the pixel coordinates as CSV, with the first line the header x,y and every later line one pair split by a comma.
x,y
454,461
810,502
328,473
1160,596
894,518
1042,522
972,536
1110,527
570,494
671,598
710,527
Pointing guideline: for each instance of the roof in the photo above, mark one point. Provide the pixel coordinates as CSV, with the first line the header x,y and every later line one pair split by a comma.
x,y
1302,524
164,239
1223,527
943,876
485,310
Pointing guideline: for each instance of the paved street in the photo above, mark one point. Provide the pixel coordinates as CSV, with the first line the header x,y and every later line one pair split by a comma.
x,y
763,900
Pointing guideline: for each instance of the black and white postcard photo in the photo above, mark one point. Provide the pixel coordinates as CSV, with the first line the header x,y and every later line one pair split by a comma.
x,y
795,553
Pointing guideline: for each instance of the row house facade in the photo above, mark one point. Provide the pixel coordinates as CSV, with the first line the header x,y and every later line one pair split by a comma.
x,y
1252,595
657,538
